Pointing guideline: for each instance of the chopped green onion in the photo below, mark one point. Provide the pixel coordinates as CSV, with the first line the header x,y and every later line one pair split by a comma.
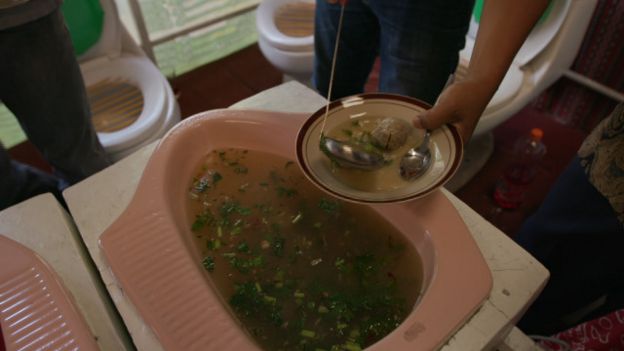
x,y
270,299
214,244
242,247
351,346
308,333
243,187
209,263
297,218
216,177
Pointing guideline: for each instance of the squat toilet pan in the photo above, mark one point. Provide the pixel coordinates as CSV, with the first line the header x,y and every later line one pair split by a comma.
x,y
37,311
175,295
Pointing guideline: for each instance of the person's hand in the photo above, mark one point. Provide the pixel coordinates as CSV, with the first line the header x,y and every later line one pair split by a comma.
x,y
504,27
460,104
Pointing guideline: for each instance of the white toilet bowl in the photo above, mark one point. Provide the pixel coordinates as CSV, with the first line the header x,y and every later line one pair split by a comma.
x,y
286,36
549,50
132,103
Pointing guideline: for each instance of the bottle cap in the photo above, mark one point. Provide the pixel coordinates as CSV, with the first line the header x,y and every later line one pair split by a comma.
x,y
537,133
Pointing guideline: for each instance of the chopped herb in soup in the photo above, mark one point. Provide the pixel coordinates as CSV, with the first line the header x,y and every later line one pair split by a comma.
x,y
299,270
390,136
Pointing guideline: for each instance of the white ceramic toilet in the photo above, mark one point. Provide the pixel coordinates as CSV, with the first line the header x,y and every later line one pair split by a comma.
x,y
131,101
547,53
286,36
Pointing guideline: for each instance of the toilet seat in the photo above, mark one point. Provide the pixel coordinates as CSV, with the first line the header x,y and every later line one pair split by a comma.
x,y
543,33
268,31
290,62
171,113
136,71
117,59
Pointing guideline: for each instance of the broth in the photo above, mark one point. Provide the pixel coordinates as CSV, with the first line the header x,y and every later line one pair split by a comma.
x,y
299,270
357,131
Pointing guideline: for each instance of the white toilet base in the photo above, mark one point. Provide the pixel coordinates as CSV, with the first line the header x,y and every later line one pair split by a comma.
x,y
303,79
476,153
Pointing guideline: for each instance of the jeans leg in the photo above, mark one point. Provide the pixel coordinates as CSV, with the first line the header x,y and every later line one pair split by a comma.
x,y
575,234
420,44
42,85
357,49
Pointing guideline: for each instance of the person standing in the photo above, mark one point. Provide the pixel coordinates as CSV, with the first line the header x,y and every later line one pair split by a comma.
x,y
418,43
41,83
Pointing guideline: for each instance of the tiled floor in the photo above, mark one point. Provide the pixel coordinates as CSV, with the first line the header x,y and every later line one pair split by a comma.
x,y
245,73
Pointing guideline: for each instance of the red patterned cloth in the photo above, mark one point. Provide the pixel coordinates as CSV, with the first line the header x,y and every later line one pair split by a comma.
x,y
602,334
600,57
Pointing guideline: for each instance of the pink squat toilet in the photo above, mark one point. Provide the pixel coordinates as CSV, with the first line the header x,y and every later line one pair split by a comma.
x,y
175,295
37,312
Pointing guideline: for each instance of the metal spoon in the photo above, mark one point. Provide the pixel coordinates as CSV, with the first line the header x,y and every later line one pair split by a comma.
x,y
416,160
351,156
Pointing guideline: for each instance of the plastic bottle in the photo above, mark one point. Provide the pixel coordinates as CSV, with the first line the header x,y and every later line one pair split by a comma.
x,y
512,186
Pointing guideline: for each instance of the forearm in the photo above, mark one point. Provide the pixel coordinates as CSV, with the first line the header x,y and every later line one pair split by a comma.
x,y
505,24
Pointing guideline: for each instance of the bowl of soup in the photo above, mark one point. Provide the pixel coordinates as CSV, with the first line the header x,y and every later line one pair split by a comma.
x,y
381,124
227,245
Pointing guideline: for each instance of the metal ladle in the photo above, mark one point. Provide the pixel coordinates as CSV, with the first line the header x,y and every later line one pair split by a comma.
x,y
416,160
351,156
342,153
413,164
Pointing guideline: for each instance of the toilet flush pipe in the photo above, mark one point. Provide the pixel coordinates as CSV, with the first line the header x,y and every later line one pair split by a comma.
x,y
146,44
594,85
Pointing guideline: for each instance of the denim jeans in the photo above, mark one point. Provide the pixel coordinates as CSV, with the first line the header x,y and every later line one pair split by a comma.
x,y
576,235
417,41
41,83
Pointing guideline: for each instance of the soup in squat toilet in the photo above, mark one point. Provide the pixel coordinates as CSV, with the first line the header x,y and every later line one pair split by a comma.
x,y
299,270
